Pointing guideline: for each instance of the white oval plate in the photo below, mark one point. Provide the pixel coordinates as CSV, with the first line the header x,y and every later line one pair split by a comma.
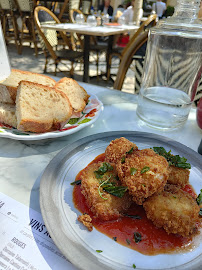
x,y
73,239
89,115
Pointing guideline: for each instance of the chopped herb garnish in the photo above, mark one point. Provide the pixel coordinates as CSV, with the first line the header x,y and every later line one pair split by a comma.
x,y
137,237
174,197
123,159
130,151
111,188
132,216
176,161
128,241
200,212
134,266
99,251
199,198
133,171
106,167
77,182
115,238
145,169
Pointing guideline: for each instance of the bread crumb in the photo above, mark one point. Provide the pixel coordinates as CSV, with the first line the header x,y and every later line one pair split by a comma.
x,y
87,221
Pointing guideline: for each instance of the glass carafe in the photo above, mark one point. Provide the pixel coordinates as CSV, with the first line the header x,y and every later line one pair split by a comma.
x,y
172,69
5,69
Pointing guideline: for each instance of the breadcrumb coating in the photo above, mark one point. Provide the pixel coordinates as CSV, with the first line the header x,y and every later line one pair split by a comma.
x,y
117,148
178,176
87,221
111,206
144,172
174,210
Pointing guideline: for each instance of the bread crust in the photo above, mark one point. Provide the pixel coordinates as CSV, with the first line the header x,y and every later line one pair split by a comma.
x,y
32,125
65,84
12,90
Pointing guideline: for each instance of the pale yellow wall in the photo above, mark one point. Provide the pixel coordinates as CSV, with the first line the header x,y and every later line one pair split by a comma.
x,y
171,3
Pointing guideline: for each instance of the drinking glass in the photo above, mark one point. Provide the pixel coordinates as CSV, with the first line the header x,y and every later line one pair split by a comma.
x,y
5,69
79,18
122,20
91,20
172,68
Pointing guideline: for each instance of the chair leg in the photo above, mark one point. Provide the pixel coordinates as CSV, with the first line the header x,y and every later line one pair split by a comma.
x,y
16,34
45,67
72,70
34,37
56,65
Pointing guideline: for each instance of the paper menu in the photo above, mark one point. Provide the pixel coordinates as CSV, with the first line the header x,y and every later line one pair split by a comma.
x,y
24,240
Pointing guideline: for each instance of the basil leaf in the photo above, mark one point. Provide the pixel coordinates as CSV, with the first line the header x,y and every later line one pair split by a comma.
x,y
123,159
200,212
77,182
130,151
133,171
99,251
199,198
137,237
176,161
134,266
145,169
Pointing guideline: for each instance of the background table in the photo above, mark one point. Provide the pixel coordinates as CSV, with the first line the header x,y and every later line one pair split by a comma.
x,y
87,31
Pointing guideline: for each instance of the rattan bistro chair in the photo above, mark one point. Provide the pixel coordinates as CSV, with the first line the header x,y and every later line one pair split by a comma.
x,y
135,52
9,21
49,41
119,52
27,28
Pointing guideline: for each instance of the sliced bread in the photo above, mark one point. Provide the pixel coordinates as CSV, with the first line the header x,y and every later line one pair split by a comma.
x,y
77,95
7,114
41,108
8,88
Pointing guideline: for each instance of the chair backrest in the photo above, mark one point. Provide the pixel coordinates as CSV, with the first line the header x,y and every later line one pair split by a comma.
x,y
7,4
48,37
127,58
151,21
25,5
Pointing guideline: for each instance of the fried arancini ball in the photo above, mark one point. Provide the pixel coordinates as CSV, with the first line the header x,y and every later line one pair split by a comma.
x,y
174,210
144,172
178,176
117,148
102,204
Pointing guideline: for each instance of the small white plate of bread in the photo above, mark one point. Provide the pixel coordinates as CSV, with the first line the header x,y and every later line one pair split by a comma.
x,y
34,106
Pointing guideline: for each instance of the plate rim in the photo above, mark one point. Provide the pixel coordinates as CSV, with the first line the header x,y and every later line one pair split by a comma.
x,y
58,159
53,135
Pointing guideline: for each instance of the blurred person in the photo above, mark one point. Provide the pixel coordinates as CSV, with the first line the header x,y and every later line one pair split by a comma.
x,y
106,8
159,7
129,12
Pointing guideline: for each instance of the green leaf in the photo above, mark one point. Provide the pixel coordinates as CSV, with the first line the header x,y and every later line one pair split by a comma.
x,y
134,266
130,151
117,191
128,241
86,120
106,167
99,251
132,216
200,212
133,171
77,182
115,238
199,198
137,237
123,159
176,161
73,121
145,169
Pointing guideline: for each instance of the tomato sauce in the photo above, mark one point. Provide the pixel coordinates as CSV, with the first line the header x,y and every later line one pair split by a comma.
x,y
153,240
